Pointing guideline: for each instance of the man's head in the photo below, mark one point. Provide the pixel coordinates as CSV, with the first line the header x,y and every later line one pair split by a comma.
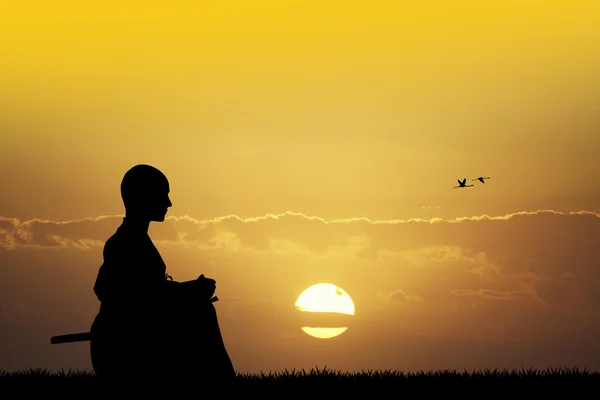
x,y
145,193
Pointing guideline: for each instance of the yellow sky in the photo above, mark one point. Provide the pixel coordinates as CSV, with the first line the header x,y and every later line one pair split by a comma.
x,y
322,107
329,109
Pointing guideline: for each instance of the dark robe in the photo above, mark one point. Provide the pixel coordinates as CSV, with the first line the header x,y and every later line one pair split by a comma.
x,y
148,326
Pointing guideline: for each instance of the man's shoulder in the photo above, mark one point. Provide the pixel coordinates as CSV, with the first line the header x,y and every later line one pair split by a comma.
x,y
115,239
119,242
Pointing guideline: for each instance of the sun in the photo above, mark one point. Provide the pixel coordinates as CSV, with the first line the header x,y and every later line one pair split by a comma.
x,y
329,299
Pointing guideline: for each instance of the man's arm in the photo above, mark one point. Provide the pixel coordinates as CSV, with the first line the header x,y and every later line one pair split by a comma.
x,y
198,288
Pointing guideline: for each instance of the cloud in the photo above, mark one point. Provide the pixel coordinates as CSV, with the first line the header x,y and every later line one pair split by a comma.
x,y
503,296
542,254
399,296
37,232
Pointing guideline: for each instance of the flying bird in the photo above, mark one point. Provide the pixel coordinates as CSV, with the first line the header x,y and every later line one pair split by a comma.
x,y
481,179
462,184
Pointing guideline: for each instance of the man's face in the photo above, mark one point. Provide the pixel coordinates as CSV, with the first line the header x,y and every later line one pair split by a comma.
x,y
158,204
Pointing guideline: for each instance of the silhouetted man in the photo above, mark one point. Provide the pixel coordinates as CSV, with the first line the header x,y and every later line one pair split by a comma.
x,y
149,326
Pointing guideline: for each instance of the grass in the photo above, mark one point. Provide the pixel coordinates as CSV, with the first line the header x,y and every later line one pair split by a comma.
x,y
318,381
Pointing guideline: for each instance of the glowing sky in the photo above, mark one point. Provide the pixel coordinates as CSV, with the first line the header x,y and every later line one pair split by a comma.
x,y
307,142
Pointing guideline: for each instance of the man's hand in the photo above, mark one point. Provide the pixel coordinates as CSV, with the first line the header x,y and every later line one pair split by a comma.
x,y
206,286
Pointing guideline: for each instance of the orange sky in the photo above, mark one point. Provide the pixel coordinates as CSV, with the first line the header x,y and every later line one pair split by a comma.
x,y
333,112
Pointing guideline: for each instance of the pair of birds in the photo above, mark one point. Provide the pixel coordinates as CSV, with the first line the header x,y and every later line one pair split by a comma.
x,y
463,183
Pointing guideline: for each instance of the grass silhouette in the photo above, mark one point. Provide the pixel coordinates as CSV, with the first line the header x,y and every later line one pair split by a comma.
x,y
318,381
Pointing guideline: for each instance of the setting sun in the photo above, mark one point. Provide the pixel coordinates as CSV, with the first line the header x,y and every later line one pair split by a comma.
x,y
325,298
